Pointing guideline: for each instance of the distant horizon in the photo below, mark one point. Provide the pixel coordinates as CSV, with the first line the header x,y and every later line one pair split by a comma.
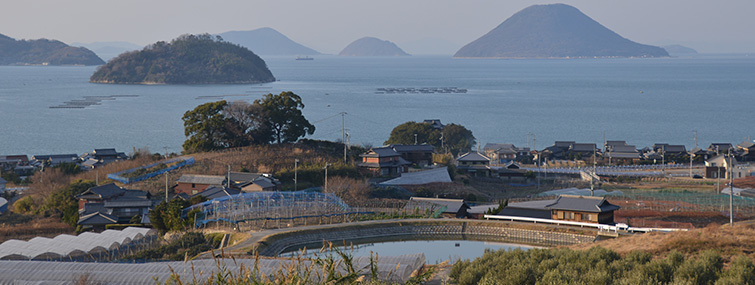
x,y
418,27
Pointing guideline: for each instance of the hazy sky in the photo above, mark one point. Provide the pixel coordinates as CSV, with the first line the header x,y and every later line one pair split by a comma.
x,y
329,25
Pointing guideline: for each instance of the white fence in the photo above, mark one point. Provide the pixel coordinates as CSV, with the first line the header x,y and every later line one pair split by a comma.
x,y
601,227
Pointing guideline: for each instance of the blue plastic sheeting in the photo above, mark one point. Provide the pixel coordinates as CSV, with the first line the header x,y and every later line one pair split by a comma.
x,y
117,176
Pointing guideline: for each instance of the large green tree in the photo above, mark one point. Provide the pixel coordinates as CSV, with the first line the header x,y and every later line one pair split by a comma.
x,y
454,138
404,134
457,138
206,127
283,117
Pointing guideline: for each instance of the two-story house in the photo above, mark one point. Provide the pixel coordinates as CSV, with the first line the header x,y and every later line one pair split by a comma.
x,y
383,161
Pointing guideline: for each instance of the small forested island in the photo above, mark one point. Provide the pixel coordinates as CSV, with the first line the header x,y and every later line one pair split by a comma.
x,y
554,31
188,59
44,52
369,46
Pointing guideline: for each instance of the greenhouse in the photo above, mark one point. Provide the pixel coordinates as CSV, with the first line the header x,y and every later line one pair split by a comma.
x,y
84,247
395,269
264,206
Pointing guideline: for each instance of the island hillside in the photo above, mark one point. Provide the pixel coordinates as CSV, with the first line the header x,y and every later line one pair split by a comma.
x,y
369,46
108,50
679,49
189,59
44,52
267,41
554,31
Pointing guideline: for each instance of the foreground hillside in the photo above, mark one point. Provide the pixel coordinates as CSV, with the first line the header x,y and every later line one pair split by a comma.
x,y
189,59
554,31
730,241
44,52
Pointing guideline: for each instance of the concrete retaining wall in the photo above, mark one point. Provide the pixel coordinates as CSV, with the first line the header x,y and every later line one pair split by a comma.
x,y
446,229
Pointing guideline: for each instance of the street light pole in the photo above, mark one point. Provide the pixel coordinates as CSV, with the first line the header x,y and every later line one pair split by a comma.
x,y
296,178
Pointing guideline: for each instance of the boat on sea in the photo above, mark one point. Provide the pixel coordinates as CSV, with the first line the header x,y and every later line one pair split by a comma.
x,y
304,58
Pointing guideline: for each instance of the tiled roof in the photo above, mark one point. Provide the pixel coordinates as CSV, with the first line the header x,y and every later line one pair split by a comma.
x,y
217,191
384,151
582,203
452,205
97,218
202,179
567,202
497,146
473,156
412,147
106,191
582,147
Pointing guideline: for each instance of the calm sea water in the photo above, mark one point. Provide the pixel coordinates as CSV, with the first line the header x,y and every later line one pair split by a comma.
x,y
642,101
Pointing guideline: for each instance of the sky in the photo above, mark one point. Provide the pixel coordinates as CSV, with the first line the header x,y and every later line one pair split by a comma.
x,y
419,26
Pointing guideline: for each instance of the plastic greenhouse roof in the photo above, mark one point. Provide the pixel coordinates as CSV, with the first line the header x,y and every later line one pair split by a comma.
x,y
395,268
65,245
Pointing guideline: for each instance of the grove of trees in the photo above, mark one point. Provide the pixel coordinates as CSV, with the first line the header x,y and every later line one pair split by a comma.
x,y
271,119
188,59
452,138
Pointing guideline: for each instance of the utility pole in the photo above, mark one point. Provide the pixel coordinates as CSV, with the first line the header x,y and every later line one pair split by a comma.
x,y
228,184
594,173
731,189
166,152
343,134
326,177
690,164
296,178
695,138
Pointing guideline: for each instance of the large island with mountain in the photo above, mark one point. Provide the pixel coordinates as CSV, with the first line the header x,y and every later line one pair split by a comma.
x,y
369,46
554,31
189,59
44,52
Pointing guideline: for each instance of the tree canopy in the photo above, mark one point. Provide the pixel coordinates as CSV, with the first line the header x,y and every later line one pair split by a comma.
x,y
452,137
284,117
271,119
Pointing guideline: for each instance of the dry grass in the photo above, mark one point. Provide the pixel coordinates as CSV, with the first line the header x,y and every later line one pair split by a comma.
x,y
44,227
731,241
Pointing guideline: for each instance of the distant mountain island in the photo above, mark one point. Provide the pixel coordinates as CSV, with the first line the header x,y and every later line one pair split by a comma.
x,y
109,50
44,52
189,59
554,31
267,41
369,46
679,49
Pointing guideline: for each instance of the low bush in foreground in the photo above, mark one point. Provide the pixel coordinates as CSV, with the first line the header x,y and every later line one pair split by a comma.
x,y
600,266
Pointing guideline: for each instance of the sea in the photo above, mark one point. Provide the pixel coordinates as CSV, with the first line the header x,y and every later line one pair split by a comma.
x,y
526,102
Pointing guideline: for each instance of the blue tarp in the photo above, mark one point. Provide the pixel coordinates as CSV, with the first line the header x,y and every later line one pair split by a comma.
x,y
125,180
